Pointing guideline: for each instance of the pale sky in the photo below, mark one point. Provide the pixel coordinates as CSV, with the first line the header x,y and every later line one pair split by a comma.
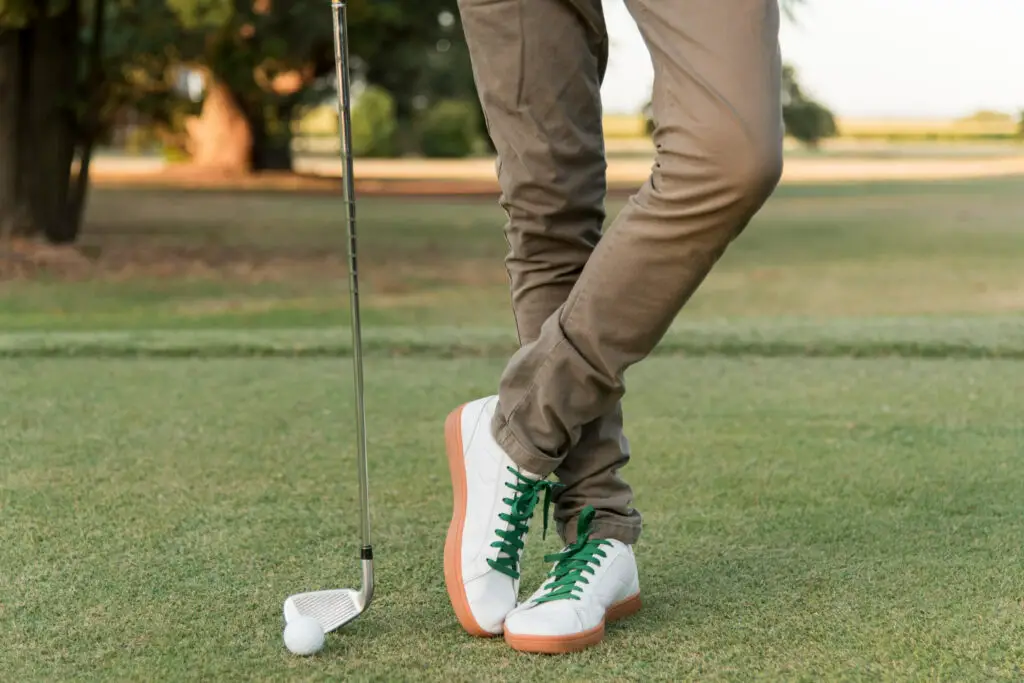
x,y
910,58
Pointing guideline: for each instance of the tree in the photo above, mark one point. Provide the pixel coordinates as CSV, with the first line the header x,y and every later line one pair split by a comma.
x,y
805,119
66,68
10,127
415,50
38,83
374,124
265,58
809,122
259,58
412,48
69,68
449,129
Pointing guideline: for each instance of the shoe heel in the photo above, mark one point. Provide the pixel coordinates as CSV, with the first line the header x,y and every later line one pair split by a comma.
x,y
626,608
453,541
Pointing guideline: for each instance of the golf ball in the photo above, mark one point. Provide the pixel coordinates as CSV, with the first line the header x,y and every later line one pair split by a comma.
x,y
303,636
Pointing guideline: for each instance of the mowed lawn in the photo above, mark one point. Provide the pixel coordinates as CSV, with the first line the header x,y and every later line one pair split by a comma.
x,y
242,260
827,447
807,519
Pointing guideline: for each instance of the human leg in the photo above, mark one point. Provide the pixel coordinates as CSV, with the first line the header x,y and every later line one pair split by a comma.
x,y
538,65
718,140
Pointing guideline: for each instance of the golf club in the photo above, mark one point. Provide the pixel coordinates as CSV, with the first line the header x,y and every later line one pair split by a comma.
x,y
335,608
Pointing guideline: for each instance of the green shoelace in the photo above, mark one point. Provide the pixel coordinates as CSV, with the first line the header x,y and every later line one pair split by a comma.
x,y
521,505
574,561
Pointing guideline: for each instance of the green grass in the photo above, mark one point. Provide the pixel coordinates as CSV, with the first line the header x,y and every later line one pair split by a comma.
x,y
826,445
277,260
923,337
806,519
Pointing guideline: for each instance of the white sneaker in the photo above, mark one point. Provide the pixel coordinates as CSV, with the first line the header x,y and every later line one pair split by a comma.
x,y
593,582
494,501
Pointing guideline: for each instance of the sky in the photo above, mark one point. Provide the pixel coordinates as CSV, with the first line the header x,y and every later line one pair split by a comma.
x,y
872,58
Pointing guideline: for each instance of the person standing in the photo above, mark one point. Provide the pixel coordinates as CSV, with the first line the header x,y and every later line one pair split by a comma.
x,y
588,305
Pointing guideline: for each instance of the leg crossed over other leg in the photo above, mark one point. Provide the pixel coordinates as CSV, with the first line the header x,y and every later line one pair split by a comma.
x,y
540,84
718,141
719,156
538,66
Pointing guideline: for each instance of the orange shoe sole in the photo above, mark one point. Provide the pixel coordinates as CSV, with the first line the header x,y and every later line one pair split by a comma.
x,y
558,645
453,541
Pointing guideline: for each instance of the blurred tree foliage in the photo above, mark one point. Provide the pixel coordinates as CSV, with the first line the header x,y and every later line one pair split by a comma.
x,y
67,68
374,125
449,129
260,59
71,69
265,58
806,120
415,50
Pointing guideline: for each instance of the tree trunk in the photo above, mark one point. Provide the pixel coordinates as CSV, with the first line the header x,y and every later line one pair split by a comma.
x,y
220,138
48,51
230,137
51,119
88,127
270,152
10,87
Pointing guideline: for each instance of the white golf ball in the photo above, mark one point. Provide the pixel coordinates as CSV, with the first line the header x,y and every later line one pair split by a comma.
x,y
303,636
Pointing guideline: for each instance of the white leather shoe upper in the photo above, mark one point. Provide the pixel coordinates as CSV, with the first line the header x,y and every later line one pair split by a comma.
x,y
574,599
495,487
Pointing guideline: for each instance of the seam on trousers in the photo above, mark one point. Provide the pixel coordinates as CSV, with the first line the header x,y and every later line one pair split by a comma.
x,y
511,284
569,310
521,86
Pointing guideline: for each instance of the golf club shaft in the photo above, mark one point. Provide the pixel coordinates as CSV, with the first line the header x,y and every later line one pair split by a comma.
x,y
341,59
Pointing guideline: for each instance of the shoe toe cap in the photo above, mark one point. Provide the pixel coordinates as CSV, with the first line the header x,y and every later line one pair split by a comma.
x,y
546,619
491,597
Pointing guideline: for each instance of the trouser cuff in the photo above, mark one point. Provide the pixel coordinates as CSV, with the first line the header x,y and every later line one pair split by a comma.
x,y
609,527
521,453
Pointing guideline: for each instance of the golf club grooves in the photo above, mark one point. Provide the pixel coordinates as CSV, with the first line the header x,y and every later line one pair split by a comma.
x,y
331,609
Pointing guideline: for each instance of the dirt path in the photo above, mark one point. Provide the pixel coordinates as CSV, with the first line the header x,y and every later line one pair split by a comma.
x,y
477,176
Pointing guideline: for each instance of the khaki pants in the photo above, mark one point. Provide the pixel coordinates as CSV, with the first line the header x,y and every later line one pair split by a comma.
x,y
587,305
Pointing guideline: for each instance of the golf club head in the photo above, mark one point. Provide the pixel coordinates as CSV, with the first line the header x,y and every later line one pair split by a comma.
x,y
331,608
334,608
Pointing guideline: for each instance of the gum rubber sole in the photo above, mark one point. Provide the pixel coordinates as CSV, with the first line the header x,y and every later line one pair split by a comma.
x,y
453,541
557,645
